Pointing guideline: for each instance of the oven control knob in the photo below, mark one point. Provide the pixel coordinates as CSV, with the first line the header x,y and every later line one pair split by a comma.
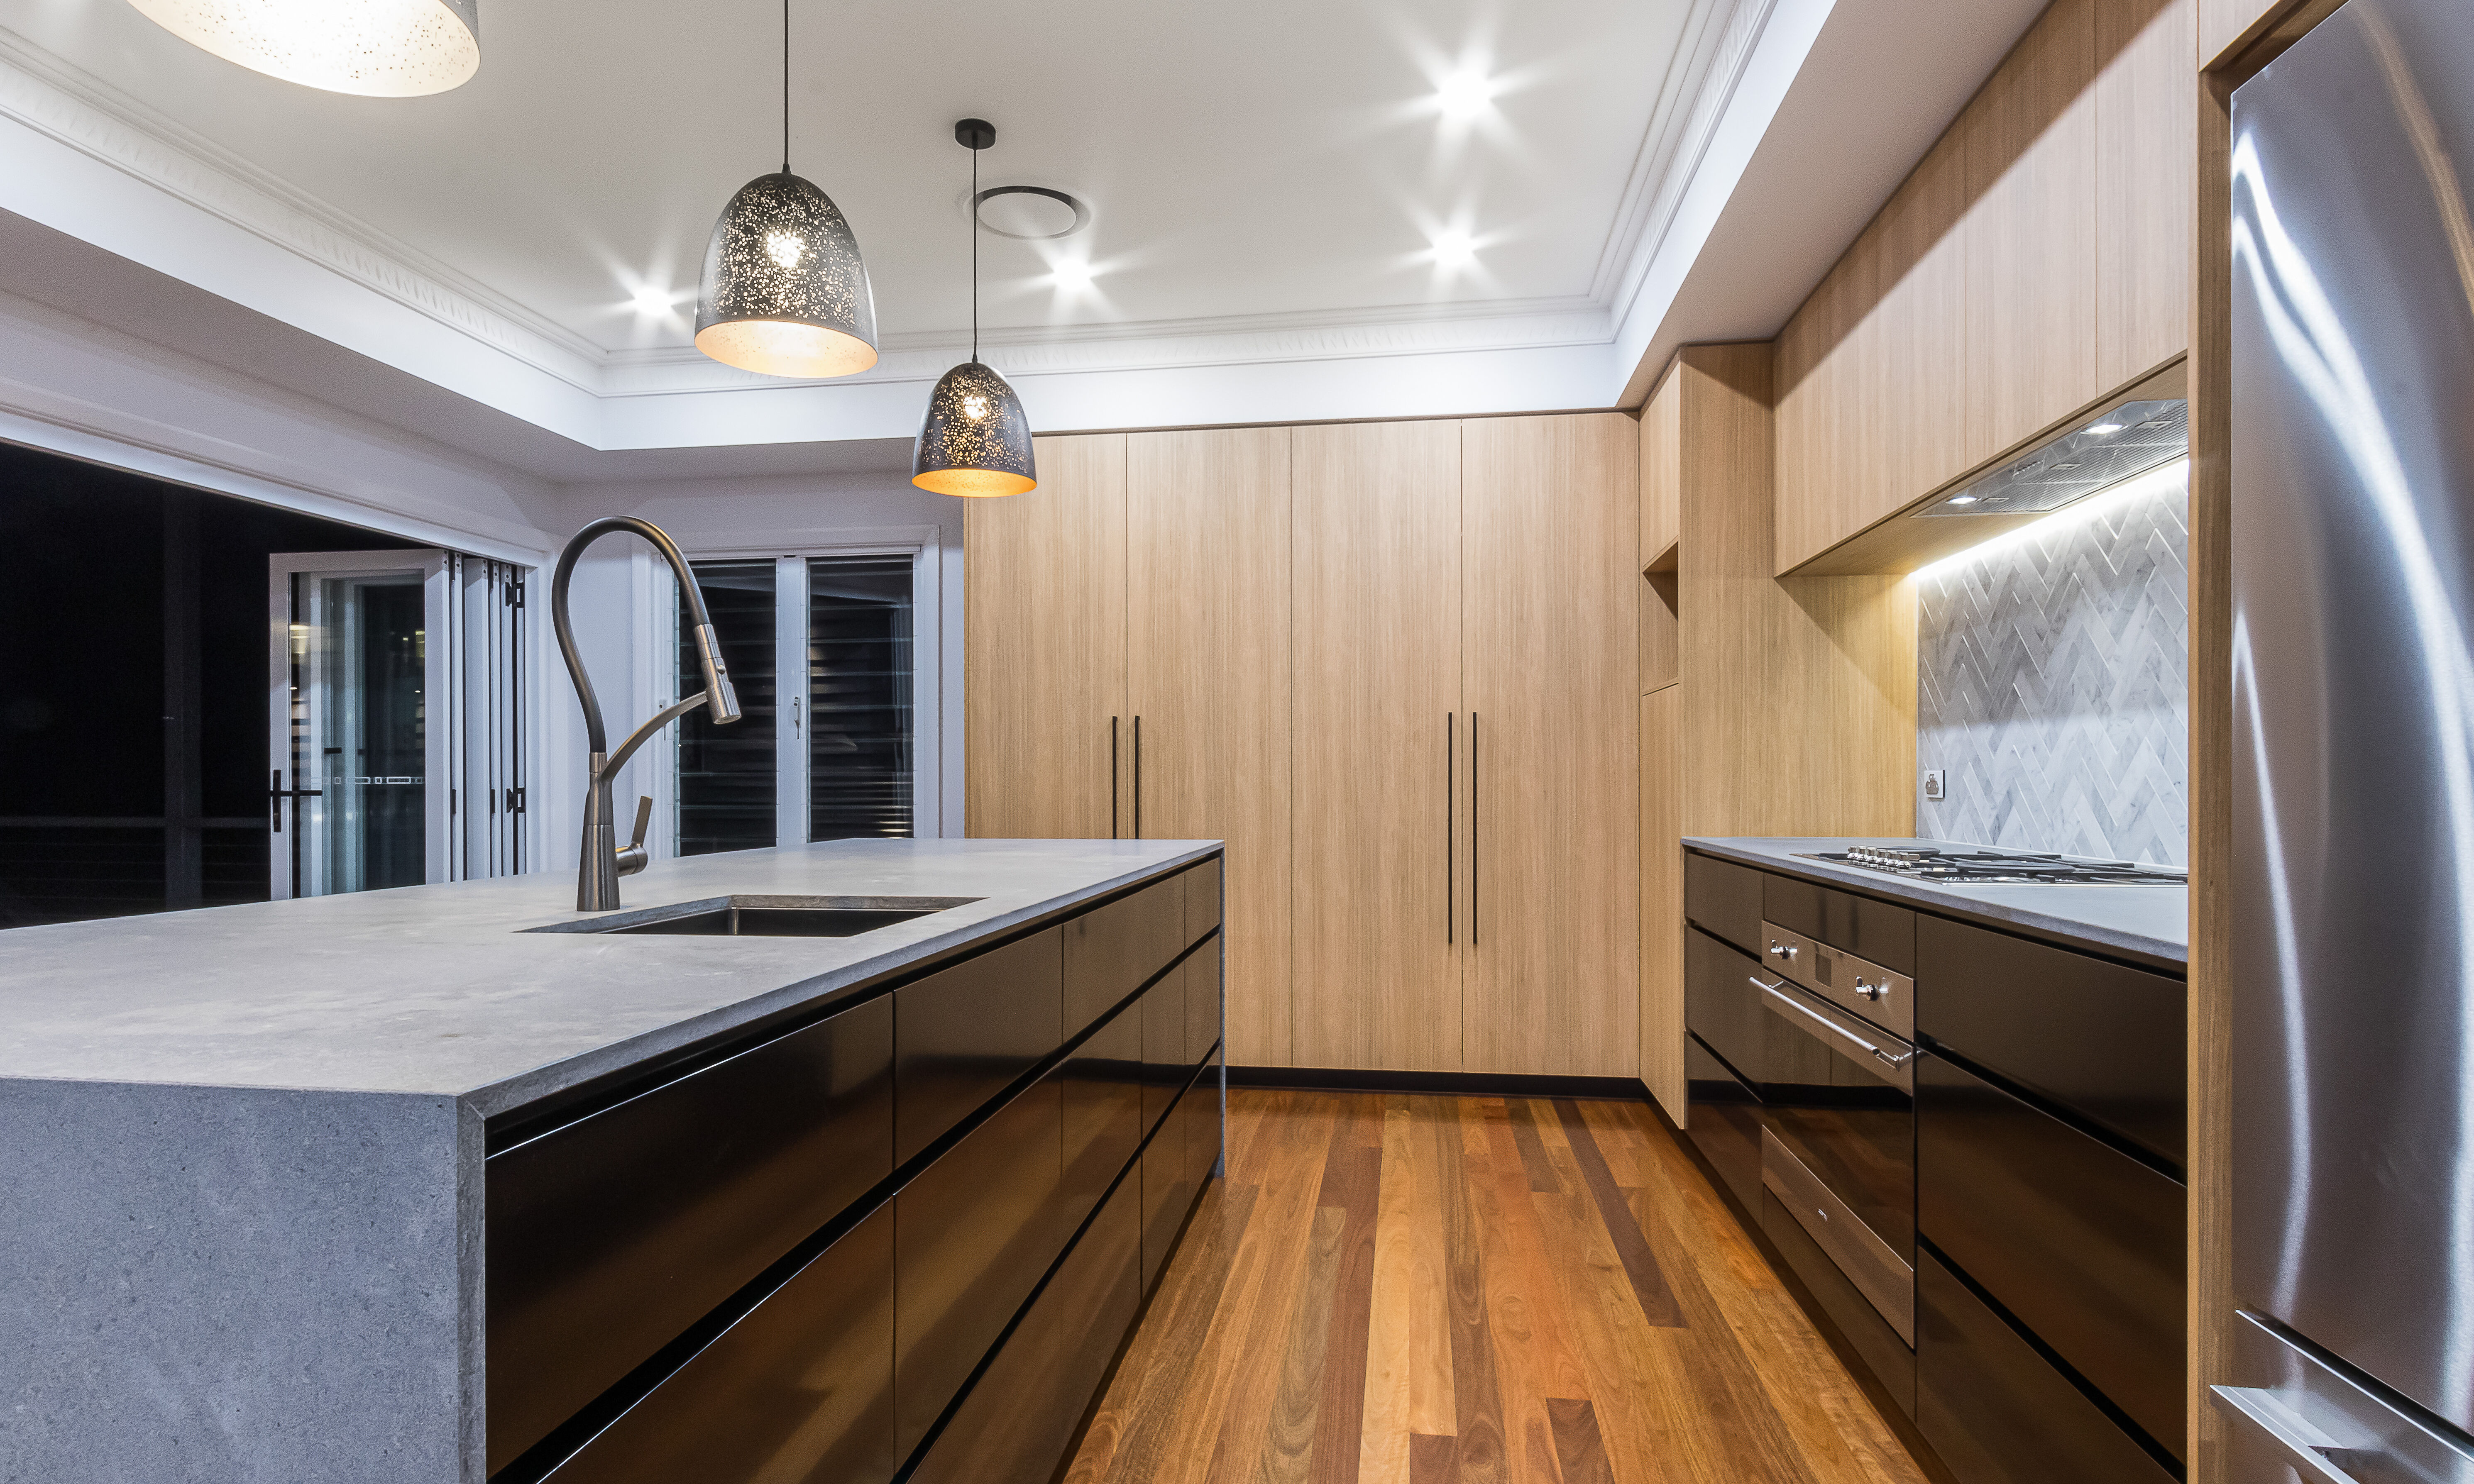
x,y
1871,992
1785,950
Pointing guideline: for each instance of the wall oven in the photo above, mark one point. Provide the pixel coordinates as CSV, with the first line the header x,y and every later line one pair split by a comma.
x,y
1838,1143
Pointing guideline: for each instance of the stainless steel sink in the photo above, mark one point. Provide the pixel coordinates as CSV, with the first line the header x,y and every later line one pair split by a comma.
x,y
764,916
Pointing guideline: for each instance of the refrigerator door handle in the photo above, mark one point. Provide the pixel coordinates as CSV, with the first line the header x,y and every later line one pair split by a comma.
x,y
2304,1448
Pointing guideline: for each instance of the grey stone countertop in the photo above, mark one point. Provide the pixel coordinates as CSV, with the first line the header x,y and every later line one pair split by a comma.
x,y
2148,923
442,990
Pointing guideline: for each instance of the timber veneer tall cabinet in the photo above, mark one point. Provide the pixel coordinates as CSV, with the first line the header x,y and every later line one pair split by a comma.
x,y
1392,665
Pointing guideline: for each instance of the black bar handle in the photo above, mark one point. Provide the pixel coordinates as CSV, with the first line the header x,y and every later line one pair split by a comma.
x,y
1112,777
1138,778
275,802
1473,916
1452,735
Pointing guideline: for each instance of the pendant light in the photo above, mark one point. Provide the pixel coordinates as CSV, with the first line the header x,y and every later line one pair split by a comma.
x,y
974,440
373,48
783,290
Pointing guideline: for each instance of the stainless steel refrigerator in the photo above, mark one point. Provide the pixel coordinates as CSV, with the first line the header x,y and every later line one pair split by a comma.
x,y
2353,557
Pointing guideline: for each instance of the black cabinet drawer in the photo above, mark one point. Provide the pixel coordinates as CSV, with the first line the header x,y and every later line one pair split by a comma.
x,y
1202,981
1872,930
1020,1416
1887,1356
1168,1190
1103,1107
1721,1003
2099,1039
1204,1113
962,1035
1164,1063
1723,898
607,1236
1724,1119
800,1388
2079,1241
1996,1411
976,1231
1203,886
1110,950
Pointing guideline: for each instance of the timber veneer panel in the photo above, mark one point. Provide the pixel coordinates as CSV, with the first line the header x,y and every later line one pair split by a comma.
x,y
1661,893
2030,233
2147,108
1376,550
1045,632
1551,672
1209,671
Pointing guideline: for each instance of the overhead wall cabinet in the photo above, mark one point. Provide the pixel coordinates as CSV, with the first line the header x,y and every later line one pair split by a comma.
x,y
2034,265
1391,665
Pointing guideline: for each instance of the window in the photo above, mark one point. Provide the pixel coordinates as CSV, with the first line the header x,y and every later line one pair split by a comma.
x,y
823,653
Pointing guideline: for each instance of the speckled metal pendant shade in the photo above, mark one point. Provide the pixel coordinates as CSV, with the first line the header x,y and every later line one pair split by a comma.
x,y
785,292
974,440
373,48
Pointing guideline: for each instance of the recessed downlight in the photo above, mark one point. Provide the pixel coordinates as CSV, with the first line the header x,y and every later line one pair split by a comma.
x,y
1463,95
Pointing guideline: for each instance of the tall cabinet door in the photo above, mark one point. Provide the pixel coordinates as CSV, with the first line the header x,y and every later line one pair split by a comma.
x,y
1376,551
1551,982
1047,729
1208,684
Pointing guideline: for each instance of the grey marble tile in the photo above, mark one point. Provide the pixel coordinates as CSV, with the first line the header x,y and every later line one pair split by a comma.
x,y
2053,689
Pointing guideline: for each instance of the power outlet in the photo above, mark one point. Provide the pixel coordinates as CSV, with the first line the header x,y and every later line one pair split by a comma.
x,y
1933,788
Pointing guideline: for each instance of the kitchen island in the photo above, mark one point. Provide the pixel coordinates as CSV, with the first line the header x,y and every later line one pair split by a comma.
x,y
453,1182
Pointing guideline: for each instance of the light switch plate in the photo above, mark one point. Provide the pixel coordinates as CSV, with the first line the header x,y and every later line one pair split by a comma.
x,y
1933,785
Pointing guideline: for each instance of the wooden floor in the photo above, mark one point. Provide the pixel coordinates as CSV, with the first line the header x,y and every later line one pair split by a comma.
x,y
1434,1290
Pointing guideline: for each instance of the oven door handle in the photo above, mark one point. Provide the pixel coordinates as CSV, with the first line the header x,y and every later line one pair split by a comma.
x,y
1846,1043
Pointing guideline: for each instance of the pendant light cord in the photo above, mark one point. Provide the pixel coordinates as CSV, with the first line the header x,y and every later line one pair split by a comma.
x,y
974,253
786,86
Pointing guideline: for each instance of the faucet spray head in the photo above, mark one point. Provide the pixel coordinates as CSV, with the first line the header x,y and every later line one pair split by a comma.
x,y
720,698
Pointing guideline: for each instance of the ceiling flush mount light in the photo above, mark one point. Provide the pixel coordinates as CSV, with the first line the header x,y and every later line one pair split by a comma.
x,y
974,440
373,48
785,292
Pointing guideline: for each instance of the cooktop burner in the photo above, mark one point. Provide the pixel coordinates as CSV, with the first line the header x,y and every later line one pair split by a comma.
x,y
1929,863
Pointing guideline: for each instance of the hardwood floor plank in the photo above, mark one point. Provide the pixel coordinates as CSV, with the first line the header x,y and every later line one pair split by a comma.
x,y
1148,1392
1657,1303
1408,1349
1477,1400
1533,1150
1287,1455
1521,1305
1340,1421
1577,1443
1433,1460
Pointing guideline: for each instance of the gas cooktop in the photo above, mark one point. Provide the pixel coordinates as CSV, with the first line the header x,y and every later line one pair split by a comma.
x,y
1995,868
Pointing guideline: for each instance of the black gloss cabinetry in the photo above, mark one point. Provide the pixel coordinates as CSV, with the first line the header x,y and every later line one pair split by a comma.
x,y
791,1261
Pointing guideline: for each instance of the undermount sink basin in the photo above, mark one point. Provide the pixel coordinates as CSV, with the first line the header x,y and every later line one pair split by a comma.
x,y
765,917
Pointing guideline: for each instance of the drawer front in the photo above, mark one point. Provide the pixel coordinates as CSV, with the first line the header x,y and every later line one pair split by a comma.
x,y
1721,1003
1110,950
1725,899
1883,1275
800,1388
1202,981
1869,929
976,1231
1205,1117
1164,1063
1995,1412
1168,1190
1891,1359
1202,892
608,1236
959,1036
1724,1119
1103,1109
2082,1243
1016,1424
2101,1039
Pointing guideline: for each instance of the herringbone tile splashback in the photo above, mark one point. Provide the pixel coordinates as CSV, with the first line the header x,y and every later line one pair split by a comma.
x,y
2053,687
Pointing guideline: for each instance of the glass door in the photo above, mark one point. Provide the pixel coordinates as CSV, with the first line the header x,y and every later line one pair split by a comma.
x,y
360,721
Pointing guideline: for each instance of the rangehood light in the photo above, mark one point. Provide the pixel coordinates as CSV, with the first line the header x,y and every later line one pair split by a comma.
x,y
373,49
2102,428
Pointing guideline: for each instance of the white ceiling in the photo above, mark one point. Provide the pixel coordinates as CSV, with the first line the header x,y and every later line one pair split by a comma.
x,y
1278,160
